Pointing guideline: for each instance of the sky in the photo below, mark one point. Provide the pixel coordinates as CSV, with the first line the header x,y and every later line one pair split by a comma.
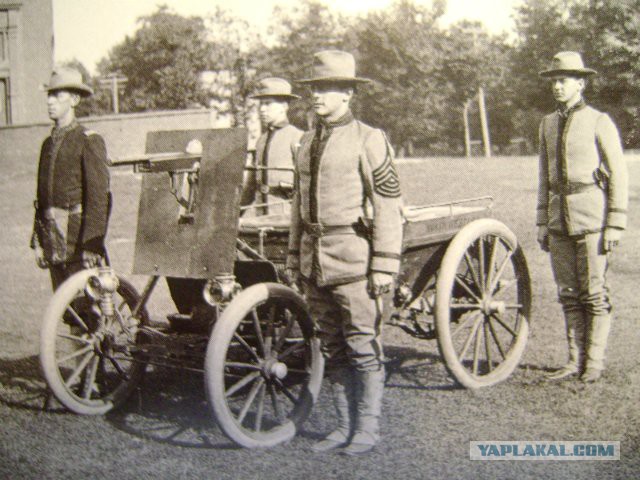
x,y
87,29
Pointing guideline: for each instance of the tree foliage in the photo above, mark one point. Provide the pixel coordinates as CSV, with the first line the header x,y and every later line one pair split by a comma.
x,y
296,34
605,32
162,61
98,103
398,51
423,73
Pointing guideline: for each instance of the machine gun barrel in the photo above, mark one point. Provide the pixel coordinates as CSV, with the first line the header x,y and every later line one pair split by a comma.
x,y
159,162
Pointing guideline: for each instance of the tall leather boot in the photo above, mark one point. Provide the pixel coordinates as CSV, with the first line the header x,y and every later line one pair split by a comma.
x,y
575,328
599,326
342,384
367,432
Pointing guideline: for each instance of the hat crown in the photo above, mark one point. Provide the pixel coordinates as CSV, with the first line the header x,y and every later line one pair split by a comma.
x,y
564,63
333,63
567,61
273,86
67,78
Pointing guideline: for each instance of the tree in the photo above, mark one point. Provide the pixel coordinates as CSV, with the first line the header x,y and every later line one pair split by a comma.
x,y
98,103
162,62
423,75
234,45
296,35
398,51
472,58
605,32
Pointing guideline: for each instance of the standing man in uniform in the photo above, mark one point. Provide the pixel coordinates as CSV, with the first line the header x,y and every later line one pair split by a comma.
x,y
73,199
277,146
581,213
345,243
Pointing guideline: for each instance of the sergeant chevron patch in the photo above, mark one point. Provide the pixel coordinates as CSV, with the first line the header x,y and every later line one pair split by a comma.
x,y
385,179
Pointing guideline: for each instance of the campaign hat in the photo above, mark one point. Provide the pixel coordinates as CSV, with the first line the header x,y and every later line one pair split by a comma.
x,y
567,63
333,66
66,78
274,87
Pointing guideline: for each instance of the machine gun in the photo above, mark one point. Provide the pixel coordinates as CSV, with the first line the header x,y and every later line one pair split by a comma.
x,y
183,169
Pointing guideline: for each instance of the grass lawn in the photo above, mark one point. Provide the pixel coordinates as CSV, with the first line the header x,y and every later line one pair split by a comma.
x,y
166,430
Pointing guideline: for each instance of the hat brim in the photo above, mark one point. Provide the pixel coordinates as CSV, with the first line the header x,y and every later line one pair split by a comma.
x,y
283,96
82,90
582,72
349,80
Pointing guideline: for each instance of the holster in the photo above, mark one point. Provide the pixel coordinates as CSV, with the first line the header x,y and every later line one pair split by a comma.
x,y
57,231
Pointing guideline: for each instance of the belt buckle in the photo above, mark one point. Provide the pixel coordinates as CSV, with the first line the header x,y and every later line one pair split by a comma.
x,y
315,229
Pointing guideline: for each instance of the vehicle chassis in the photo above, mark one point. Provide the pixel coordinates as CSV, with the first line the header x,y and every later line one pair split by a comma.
x,y
464,281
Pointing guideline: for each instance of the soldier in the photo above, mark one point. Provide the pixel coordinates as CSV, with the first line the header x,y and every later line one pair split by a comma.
x,y
73,199
345,242
581,212
277,146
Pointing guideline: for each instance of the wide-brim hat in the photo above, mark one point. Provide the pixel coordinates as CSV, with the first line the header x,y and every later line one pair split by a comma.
x,y
274,87
567,63
64,78
333,66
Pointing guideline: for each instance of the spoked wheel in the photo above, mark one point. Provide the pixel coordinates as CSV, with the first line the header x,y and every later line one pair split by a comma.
x,y
263,368
423,319
483,302
87,346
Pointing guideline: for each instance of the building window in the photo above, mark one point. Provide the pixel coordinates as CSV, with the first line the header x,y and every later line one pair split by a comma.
x,y
4,36
5,110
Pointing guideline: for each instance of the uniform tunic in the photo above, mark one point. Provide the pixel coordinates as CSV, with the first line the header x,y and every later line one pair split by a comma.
x,y
73,175
582,190
346,222
276,148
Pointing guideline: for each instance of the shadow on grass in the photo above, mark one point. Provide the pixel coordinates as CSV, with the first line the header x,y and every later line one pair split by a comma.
x,y
21,384
414,369
170,407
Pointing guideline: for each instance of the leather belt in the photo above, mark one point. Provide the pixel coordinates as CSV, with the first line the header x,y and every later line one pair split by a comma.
x,y
570,188
58,212
319,230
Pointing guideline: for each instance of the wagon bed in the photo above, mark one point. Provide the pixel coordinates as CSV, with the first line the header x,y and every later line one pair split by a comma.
x,y
424,226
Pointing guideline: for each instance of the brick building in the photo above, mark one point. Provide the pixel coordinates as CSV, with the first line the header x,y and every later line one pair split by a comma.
x,y
26,59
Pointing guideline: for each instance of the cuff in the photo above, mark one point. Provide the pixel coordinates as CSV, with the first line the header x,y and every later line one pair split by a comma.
x,y
385,262
542,217
617,218
95,245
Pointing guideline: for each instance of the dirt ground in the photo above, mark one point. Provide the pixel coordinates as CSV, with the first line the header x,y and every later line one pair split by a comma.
x,y
166,430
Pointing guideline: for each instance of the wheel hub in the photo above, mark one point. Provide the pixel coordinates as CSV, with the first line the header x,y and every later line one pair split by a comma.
x,y
490,306
274,368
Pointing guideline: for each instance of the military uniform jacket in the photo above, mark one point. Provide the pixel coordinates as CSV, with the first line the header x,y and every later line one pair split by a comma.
x,y
72,172
284,141
582,173
352,178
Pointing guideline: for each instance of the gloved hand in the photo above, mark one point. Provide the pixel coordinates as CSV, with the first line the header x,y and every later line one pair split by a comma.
x,y
380,283
294,276
40,260
611,238
543,237
90,259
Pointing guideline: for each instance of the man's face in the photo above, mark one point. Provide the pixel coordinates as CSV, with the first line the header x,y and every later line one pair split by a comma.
x,y
329,98
566,89
273,110
60,103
